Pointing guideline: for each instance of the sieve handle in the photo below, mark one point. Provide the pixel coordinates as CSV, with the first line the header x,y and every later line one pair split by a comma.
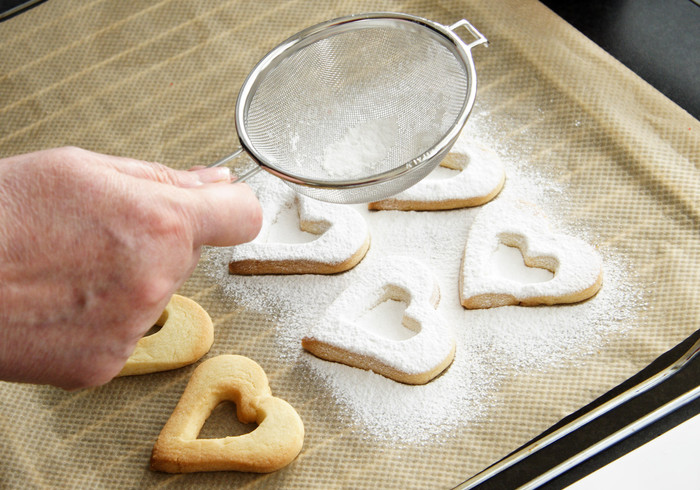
x,y
230,157
480,38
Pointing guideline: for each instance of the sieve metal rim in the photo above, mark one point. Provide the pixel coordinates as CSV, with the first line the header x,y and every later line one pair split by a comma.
x,y
314,33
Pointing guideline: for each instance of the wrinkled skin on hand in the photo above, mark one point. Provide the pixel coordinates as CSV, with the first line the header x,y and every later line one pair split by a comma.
x,y
91,249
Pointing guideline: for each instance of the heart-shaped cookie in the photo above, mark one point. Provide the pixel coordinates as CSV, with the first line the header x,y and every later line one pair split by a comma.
x,y
273,444
186,334
415,360
577,267
480,179
343,239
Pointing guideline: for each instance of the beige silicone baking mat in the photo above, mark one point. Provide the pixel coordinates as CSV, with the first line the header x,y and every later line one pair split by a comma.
x,y
158,80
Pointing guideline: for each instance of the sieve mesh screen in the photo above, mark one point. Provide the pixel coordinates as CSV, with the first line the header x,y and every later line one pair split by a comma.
x,y
358,102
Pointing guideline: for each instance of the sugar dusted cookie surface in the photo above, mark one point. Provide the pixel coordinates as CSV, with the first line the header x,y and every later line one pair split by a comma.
x,y
275,442
341,237
576,266
479,179
415,360
186,334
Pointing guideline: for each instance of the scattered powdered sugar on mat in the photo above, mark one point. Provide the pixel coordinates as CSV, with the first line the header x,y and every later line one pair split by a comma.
x,y
491,343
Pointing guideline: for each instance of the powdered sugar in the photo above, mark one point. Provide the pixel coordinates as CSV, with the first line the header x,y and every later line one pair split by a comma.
x,y
361,152
480,174
393,278
576,264
385,320
491,343
337,232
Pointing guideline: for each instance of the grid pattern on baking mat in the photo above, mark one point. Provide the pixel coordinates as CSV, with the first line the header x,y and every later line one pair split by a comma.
x,y
158,81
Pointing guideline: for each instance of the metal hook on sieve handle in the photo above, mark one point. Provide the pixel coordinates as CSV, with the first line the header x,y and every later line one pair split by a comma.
x,y
480,38
232,156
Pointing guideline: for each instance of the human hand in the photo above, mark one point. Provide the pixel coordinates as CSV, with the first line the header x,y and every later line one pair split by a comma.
x,y
91,249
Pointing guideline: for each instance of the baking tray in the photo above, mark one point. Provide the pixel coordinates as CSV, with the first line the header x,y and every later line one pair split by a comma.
x,y
159,81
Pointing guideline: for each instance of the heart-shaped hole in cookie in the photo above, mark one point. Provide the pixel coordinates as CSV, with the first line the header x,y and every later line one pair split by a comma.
x,y
442,172
223,422
182,335
158,325
287,227
451,166
153,330
386,320
507,261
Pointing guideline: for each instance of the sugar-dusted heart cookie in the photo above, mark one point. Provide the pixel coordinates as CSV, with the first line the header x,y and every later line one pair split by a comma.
x,y
577,268
342,238
415,360
480,179
186,334
273,444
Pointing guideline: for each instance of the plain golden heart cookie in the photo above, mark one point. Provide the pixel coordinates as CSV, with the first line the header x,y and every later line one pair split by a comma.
x,y
186,334
577,267
343,240
481,177
415,360
275,442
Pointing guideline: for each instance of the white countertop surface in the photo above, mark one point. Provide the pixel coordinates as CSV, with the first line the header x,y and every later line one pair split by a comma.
x,y
672,460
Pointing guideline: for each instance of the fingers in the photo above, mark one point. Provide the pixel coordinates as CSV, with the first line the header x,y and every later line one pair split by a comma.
x,y
166,175
210,175
224,215
220,215
157,172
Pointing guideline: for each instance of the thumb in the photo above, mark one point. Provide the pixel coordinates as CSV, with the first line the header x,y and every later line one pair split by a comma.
x,y
223,214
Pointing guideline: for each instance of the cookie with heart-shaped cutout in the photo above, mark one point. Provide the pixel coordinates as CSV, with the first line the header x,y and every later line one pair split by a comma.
x,y
186,334
415,360
342,238
481,177
576,266
273,444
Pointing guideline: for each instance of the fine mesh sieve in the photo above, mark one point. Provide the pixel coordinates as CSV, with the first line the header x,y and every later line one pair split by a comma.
x,y
359,108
